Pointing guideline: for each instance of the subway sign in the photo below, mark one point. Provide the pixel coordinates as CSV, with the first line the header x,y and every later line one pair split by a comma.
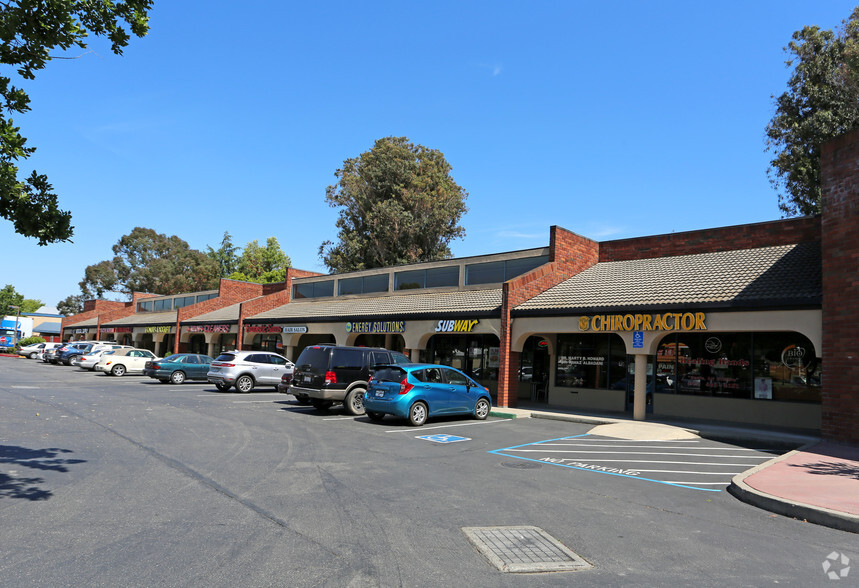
x,y
669,321
456,326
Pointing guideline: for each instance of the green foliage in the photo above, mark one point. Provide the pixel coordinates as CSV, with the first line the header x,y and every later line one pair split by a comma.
x,y
146,261
29,31
73,304
9,297
399,205
225,256
821,103
29,341
262,265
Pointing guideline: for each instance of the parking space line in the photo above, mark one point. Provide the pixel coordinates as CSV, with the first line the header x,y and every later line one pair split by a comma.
x,y
603,456
425,428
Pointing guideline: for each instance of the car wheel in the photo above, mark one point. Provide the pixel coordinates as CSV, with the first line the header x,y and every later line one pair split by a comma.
x,y
303,399
244,384
418,414
222,387
177,377
481,409
320,404
118,370
34,355
375,416
354,402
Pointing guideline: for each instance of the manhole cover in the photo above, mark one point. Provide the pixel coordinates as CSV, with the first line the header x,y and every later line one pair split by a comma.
x,y
521,465
524,549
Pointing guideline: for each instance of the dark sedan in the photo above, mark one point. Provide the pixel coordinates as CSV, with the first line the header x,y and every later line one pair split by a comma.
x,y
178,368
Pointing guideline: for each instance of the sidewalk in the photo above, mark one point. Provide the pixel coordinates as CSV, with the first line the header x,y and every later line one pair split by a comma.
x,y
817,483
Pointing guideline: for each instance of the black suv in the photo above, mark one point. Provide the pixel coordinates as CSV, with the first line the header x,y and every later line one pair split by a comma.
x,y
325,374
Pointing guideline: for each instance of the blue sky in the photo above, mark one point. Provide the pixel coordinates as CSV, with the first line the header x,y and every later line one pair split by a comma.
x,y
610,119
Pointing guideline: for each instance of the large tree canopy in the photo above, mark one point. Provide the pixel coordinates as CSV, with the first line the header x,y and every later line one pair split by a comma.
x,y
9,296
146,261
821,102
263,265
29,31
399,204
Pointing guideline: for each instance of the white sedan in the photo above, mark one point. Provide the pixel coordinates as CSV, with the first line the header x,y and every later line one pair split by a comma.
x,y
89,361
124,361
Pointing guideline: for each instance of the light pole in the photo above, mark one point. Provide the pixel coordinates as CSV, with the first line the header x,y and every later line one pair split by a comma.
x,y
17,314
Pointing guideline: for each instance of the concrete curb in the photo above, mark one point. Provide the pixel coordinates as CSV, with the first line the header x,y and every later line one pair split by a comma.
x,y
797,510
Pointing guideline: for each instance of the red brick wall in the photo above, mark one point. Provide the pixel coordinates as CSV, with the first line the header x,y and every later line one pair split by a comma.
x,y
768,234
569,254
229,292
840,251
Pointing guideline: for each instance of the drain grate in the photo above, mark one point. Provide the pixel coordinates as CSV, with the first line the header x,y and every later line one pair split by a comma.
x,y
524,549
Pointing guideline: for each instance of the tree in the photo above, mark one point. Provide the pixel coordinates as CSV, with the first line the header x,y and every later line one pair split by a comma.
x,y
821,103
29,31
146,261
225,256
73,304
399,205
262,265
9,296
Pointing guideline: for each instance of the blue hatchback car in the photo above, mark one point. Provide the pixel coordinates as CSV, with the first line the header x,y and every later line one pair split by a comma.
x,y
417,391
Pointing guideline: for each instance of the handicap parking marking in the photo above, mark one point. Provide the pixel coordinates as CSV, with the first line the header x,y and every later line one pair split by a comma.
x,y
442,438
683,463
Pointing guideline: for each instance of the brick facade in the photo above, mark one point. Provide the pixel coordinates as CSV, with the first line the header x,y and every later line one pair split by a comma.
x,y
569,254
840,252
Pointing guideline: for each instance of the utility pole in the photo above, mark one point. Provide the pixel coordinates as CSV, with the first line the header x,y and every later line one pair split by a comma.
x,y
17,314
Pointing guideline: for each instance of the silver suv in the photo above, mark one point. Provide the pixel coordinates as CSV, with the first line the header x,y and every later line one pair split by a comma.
x,y
246,369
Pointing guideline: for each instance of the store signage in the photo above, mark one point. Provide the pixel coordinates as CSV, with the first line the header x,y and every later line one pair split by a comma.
x,y
669,321
295,329
78,331
208,329
456,326
372,327
159,329
263,328
115,329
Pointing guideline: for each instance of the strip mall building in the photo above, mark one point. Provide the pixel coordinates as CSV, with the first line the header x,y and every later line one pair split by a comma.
x,y
730,323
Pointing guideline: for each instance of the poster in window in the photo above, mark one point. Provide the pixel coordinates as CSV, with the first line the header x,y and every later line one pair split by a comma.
x,y
764,388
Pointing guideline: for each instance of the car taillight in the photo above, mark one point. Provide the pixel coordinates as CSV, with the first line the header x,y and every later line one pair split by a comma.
x,y
405,386
330,378
155,366
216,364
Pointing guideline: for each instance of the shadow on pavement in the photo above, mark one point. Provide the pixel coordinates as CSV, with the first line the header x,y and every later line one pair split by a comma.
x,y
38,459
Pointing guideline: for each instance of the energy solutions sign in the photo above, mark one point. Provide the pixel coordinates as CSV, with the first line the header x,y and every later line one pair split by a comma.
x,y
376,327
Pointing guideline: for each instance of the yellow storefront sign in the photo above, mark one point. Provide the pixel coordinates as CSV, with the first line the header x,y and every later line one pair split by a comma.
x,y
669,321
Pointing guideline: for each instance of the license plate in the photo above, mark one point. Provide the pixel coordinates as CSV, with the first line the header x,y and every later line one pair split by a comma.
x,y
307,379
380,394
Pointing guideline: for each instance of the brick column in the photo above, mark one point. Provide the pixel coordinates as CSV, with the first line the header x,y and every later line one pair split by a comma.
x,y
840,255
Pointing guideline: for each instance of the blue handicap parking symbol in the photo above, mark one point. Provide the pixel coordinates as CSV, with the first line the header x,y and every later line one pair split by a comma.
x,y
443,438
637,339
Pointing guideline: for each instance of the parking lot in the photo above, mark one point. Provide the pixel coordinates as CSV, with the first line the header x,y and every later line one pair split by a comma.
x,y
108,480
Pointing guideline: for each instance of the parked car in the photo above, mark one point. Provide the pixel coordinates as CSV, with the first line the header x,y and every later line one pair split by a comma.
x,y
124,361
419,391
48,347
247,369
178,368
325,374
75,347
88,361
283,387
71,353
31,351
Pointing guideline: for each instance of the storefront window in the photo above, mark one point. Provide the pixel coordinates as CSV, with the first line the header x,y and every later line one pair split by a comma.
x,y
267,342
362,285
183,301
765,366
163,304
786,367
476,355
500,271
591,361
145,306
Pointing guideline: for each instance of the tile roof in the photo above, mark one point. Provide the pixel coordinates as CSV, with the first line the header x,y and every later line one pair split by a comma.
x,y
783,275
226,314
145,318
420,303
